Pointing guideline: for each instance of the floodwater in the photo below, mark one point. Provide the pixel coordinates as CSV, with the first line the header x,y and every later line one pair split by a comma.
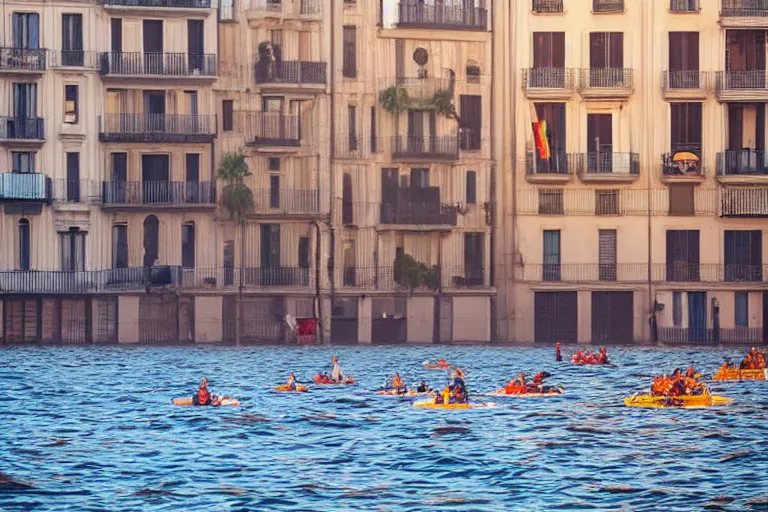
x,y
92,428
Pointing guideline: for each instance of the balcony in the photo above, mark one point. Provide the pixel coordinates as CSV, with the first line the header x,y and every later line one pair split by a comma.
x,y
607,6
74,59
429,147
743,202
23,60
273,130
556,169
171,7
548,83
606,83
25,187
672,272
114,65
741,85
287,9
684,6
744,14
742,166
156,128
472,15
139,195
685,85
291,74
547,6
22,130
417,209
403,93
684,165
609,167
287,203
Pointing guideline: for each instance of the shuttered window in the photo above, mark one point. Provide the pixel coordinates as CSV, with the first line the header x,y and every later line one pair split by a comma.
x,y
685,129
683,51
188,245
551,255
352,127
471,187
373,130
73,177
681,199
548,50
470,121
683,255
227,115
346,199
350,51
741,309
120,246
606,50
474,259
607,254
743,255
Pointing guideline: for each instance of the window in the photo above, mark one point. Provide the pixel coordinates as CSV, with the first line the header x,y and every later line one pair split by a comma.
x,y
188,245
419,178
474,259
554,115
549,52
685,127
682,255
473,74
273,164
348,254
26,30
24,241
677,309
119,246
25,107
352,127
683,60
227,115
346,199
606,51
744,255
373,130
470,122
73,177
607,254
70,104
274,191
72,40
192,185
23,161
471,187
551,269
741,309
607,202
599,143
551,201
73,250
117,35
350,51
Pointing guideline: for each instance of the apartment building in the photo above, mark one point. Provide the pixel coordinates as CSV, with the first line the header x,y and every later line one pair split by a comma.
x,y
638,198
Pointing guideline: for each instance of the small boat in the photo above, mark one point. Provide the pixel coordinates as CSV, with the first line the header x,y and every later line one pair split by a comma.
x,y
394,392
287,389
430,404
737,374
219,402
503,392
681,401
347,381
436,366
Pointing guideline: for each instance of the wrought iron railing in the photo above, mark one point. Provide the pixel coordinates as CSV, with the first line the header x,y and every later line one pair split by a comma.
x,y
158,64
290,72
158,192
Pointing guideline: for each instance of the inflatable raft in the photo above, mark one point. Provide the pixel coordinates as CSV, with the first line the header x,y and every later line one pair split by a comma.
x,y
736,374
503,392
436,366
226,401
430,404
285,388
681,402
347,381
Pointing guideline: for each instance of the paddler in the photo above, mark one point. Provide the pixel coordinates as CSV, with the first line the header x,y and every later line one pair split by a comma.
x,y
558,354
292,382
336,374
602,358
538,382
423,388
203,397
398,384
458,382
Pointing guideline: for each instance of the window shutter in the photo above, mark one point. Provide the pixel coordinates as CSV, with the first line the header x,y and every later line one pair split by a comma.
x,y
471,187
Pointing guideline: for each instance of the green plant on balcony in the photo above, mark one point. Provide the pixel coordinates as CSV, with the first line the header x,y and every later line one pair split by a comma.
x,y
394,99
414,274
442,102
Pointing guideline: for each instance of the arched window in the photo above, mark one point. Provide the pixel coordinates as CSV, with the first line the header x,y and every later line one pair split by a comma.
x,y
24,235
188,245
151,240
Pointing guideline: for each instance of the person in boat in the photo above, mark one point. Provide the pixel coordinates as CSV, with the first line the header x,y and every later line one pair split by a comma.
x,y
558,354
423,388
727,365
754,361
203,396
458,382
291,382
602,358
578,357
538,383
337,375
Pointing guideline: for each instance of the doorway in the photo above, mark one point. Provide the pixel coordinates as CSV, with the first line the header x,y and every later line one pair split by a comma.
x,y
697,316
153,47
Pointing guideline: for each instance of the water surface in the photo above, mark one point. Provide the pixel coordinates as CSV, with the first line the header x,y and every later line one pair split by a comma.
x,y
92,428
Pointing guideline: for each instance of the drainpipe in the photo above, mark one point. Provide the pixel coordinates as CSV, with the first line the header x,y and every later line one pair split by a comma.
x,y
492,192
649,182
318,309
510,267
332,155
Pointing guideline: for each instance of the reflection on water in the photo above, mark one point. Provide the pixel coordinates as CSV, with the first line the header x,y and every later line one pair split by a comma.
x,y
93,429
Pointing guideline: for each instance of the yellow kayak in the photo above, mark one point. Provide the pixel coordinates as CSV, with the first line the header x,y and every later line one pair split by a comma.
x,y
736,374
226,401
682,401
286,388
430,404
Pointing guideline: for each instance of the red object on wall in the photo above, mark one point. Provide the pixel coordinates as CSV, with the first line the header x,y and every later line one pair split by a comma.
x,y
306,331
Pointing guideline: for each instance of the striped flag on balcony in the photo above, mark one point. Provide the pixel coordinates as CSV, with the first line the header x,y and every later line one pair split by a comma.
x,y
541,138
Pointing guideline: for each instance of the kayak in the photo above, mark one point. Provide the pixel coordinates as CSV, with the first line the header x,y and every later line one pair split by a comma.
x,y
430,404
682,401
392,392
436,366
503,392
736,374
347,381
287,389
226,401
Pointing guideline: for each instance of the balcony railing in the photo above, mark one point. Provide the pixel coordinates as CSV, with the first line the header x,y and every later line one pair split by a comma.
x,y
290,72
473,15
158,192
22,59
158,64
22,128
559,163
744,9
674,272
692,79
549,78
683,161
287,202
74,59
273,129
418,213
743,202
304,7
607,5
607,78
684,5
181,4
742,162
445,147
547,6
608,162
737,80
156,128
76,191
412,92
17,186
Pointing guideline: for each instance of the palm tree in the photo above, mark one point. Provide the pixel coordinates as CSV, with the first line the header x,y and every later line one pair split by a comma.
x,y
237,200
